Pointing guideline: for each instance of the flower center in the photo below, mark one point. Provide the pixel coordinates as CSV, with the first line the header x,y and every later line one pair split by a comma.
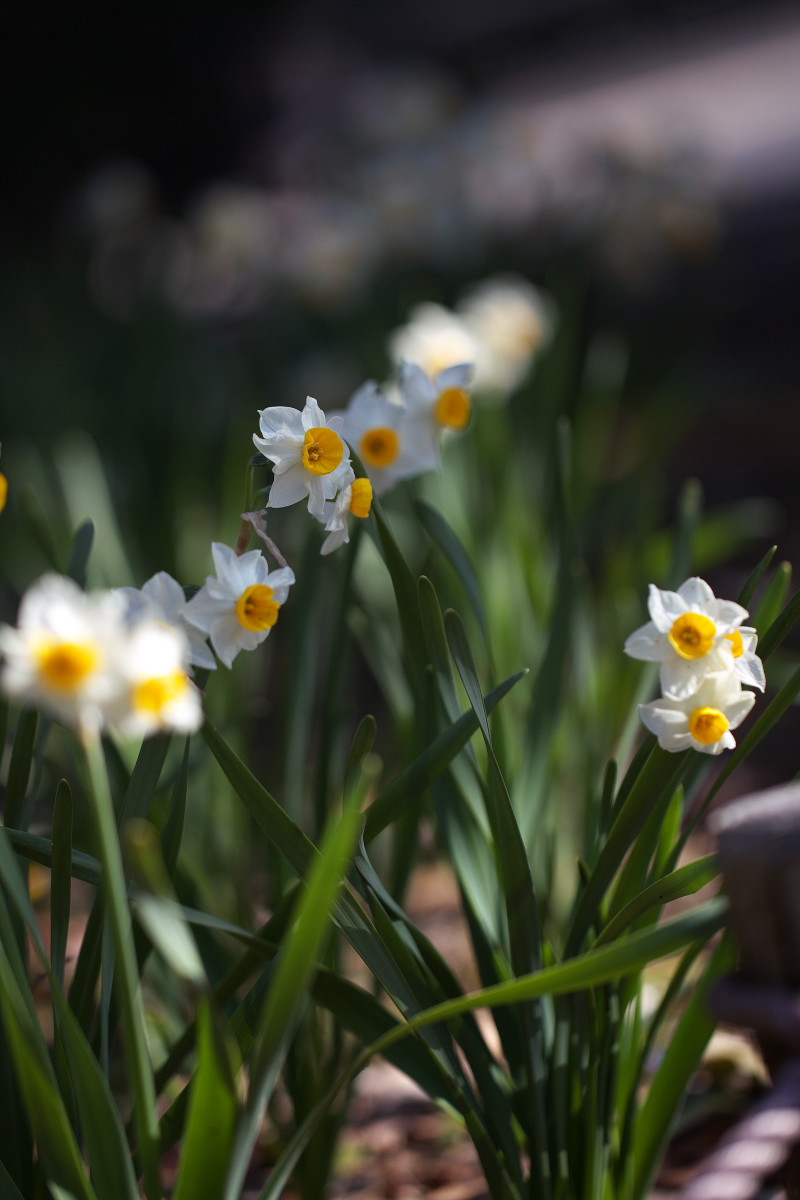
x,y
256,608
453,408
707,725
154,695
65,665
323,450
361,497
380,446
737,641
692,635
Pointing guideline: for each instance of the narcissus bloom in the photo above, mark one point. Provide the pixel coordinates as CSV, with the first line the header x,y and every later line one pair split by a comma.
x,y
435,338
703,720
746,663
438,403
307,452
157,693
692,633
62,655
238,607
389,445
510,322
356,498
163,598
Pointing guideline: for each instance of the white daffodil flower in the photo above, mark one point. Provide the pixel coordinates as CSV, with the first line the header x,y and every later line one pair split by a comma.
x,y
163,598
510,322
389,445
158,695
238,607
691,633
746,663
438,403
435,338
307,452
62,657
356,498
703,720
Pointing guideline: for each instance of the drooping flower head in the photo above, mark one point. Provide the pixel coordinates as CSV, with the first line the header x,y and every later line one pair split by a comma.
x,y
692,633
157,693
389,445
163,598
702,720
307,452
355,499
62,655
237,607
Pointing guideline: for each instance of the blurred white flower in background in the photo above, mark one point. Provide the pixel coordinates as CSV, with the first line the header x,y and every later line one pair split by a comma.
x,y
434,338
163,598
62,655
157,693
436,403
97,659
511,322
390,446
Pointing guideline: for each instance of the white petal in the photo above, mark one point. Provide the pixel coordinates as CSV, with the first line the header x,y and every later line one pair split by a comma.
x,y
664,608
729,615
203,609
696,594
661,715
335,539
669,724
681,677
368,407
224,634
281,451
417,389
289,488
646,643
738,710
243,570
200,654
312,416
280,581
166,592
750,670
281,422
224,559
458,376
721,689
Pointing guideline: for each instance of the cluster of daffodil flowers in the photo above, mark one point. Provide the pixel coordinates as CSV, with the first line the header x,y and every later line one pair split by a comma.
x,y
395,439
707,654
122,658
92,660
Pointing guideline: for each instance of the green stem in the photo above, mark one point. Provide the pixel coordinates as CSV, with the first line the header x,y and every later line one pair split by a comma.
x,y
128,990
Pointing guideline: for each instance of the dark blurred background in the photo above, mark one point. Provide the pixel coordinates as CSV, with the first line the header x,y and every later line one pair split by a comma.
x,y
206,208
